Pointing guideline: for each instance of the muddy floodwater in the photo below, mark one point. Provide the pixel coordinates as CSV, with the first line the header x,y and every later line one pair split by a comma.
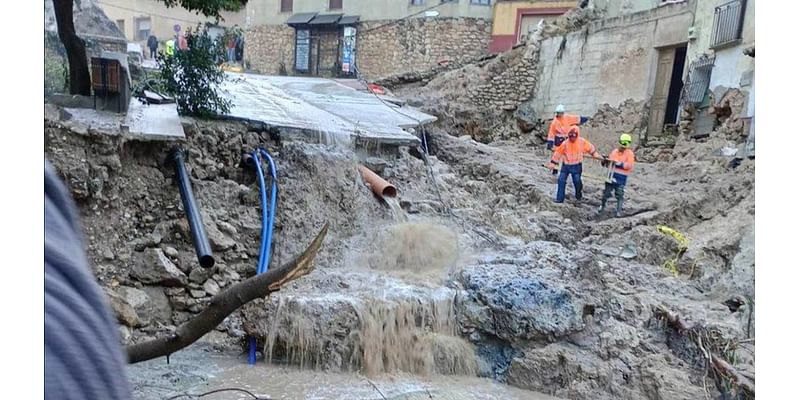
x,y
198,369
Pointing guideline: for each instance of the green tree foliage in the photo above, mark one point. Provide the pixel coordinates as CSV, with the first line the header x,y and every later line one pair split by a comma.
x,y
191,76
209,8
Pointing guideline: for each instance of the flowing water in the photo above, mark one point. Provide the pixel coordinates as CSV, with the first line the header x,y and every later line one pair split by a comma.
x,y
397,211
196,370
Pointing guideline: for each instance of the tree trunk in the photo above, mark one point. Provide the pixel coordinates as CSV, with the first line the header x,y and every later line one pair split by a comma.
x,y
79,79
226,302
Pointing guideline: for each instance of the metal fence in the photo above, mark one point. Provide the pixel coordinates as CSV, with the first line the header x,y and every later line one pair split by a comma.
x,y
727,23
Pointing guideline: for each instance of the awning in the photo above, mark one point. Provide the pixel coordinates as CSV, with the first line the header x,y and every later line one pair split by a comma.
x,y
349,20
300,19
326,19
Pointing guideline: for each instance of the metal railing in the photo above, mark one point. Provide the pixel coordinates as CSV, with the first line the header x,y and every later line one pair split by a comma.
x,y
699,77
727,26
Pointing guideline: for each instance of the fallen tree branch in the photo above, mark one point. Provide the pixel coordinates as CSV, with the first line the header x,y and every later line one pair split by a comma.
x,y
226,302
718,364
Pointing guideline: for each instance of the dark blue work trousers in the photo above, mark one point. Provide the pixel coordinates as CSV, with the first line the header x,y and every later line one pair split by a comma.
x,y
575,170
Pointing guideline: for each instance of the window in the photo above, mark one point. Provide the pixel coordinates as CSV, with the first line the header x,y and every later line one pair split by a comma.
x,y
695,90
481,2
727,28
335,5
121,25
417,2
142,28
286,5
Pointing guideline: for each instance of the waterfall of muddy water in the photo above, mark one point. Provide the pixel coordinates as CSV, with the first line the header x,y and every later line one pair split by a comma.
x,y
397,212
412,335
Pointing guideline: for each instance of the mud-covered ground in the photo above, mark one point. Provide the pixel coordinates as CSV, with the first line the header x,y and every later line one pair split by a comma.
x,y
546,297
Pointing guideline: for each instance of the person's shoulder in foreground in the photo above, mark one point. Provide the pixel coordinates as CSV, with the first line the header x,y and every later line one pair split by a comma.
x,y
83,357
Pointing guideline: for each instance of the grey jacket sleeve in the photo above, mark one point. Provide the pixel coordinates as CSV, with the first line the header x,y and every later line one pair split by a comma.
x,y
84,357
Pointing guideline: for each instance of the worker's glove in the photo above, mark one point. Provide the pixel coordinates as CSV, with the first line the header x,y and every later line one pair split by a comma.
x,y
549,145
605,162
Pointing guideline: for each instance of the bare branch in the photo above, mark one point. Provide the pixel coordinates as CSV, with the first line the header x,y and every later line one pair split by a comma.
x,y
228,301
720,365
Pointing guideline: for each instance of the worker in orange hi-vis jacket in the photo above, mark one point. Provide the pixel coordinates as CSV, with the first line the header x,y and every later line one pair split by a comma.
x,y
571,152
560,125
622,159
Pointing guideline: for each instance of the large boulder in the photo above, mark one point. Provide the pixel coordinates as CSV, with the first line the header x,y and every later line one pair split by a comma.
x,y
512,303
123,310
153,267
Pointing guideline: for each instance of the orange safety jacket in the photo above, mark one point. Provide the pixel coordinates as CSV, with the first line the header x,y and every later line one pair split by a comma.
x,y
572,152
560,126
623,161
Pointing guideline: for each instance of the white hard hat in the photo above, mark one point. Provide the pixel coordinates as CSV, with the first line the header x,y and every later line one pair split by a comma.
x,y
560,108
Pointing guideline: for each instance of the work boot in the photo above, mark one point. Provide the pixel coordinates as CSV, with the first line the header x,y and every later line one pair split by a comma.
x,y
618,212
601,209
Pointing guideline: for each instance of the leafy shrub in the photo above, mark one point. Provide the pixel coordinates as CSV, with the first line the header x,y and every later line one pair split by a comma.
x,y
192,76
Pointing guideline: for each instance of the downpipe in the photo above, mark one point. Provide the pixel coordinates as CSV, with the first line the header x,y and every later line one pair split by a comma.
x,y
201,245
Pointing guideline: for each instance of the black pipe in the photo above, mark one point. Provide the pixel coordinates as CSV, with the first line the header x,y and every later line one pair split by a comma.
x,y
201,245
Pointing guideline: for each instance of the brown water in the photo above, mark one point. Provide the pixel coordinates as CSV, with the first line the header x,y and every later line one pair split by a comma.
x,y
397,211
194,370
404,317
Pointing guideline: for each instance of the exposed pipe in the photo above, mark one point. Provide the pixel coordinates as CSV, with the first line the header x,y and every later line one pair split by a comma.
x,y
267,218
199,237
273,205
379,185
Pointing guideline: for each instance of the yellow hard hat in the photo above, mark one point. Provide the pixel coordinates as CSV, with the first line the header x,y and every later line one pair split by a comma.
x,y
625,140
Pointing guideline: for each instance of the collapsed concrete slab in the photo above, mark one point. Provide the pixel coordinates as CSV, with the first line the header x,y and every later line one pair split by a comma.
x,y
323,107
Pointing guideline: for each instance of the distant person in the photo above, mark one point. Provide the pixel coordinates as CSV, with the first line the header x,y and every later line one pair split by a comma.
x,y
622,159
152,44
83,353
231,47
571,153
239,48
183,44
170,48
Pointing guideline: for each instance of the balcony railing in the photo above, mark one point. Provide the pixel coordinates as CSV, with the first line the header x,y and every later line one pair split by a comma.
x,y
728,20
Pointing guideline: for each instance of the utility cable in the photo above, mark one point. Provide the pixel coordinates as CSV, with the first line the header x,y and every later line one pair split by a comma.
x,y
197,396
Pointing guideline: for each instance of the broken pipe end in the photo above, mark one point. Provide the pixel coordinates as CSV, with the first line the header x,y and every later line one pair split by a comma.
x,y
379,185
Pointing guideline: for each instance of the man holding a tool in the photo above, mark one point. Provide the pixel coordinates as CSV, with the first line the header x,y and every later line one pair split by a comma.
x,y
571,152
622,160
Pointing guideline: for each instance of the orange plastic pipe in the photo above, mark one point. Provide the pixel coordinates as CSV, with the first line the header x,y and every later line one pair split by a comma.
x,y
378,184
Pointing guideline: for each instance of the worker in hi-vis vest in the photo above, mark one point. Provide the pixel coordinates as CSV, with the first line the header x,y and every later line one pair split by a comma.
x,y
560,125
571,153
622,159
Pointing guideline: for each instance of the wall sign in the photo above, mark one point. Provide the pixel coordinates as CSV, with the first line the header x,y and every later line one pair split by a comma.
x,y
302,50
348,48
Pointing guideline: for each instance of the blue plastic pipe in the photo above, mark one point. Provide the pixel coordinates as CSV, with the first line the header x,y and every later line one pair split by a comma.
x,y
270,219
267,223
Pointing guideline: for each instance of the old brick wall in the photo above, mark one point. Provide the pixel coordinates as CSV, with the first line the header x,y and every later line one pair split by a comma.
x,y
405,46
510,80
418,44
267,46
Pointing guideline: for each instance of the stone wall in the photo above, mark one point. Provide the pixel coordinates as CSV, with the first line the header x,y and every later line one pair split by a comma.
x,y
268,47
609,61
511,80
404,47
418,44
